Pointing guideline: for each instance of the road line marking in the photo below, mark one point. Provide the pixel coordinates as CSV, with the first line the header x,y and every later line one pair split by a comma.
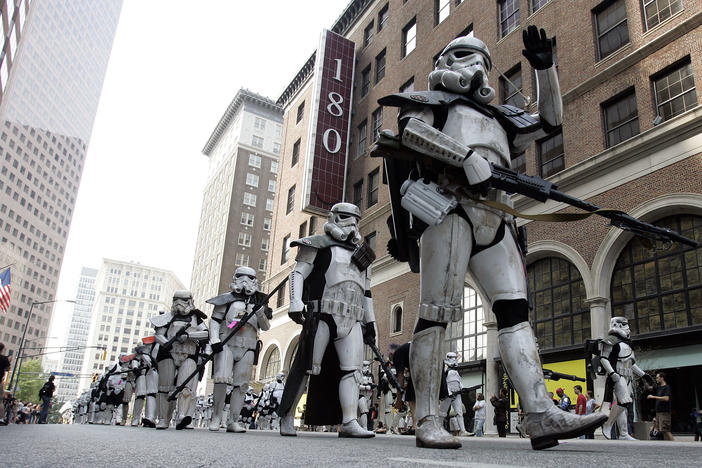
x,y
422,461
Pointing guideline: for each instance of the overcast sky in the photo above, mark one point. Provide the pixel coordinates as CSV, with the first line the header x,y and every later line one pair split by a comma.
x,y
175,67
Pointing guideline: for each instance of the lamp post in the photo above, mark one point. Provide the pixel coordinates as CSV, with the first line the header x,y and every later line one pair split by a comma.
x,y
17,368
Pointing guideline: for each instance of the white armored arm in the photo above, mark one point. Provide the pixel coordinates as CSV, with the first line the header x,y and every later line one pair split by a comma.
x,y
549,96
304,264
637,371
369,315
263,322
214,330
160,335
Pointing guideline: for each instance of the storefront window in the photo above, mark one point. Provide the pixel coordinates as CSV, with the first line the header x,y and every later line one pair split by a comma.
x,y
272,365
468,337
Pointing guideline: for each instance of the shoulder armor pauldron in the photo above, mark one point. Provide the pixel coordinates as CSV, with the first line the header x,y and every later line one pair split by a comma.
x,y
222,299
515,119
161,320
320,242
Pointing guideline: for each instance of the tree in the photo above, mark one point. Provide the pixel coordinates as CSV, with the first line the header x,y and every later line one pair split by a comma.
x,y
31,379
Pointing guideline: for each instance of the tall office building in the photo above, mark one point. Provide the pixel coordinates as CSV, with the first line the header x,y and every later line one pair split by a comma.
x,y
52,67
79,329
127,294
237,207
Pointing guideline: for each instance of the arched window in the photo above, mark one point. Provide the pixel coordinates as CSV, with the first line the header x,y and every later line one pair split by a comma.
x,y
560,316
396,316
272,365
467,337
660,289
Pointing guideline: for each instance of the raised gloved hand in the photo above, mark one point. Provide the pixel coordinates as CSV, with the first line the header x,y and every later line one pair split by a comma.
x,y
538,49
217,347
369,333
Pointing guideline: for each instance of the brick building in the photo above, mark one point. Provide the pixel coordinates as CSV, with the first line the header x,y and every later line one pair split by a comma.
x,y
630,141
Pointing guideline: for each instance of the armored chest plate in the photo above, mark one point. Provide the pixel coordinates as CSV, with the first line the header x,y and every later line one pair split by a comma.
x,y
481,133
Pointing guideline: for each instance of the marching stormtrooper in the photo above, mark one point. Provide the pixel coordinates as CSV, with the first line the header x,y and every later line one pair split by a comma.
x,y
442,224
145,386
453,387
331,278
116,384
179,334
389,394
262,407
234,360
248,409
365,390
618,361
277,389
128,364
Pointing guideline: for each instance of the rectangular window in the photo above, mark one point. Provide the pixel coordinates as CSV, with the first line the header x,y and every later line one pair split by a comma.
x,y
252,179
674,90
269,204
509,16
610,27
278,130
291,200
245,239
255,161
621,118
286,250
368,34
518,163
300,112
274,167
362,137
380,66
295,153
241,260
383,16
377,122
276,148
267,224
550,153
259,123
365,80
262,264
271,185
657,11
441,10
257,141
264,244
358,193
370,240
511,87
409,37
247,219
373,179
302,231
249,199
313,225
408,87
537,4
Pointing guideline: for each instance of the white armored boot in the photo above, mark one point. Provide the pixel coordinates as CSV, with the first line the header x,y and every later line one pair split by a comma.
x,y
220,393
426,363
348,398
136,410
545,422
287,420
149,412
125,413
235,405
165,410
618,415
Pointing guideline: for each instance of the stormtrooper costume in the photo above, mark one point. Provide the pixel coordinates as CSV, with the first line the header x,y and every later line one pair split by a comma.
x,y
116,384
248,409
234,360
145,386
178,362
277,389
365,391
443,228
128,364
93,405
453,387
331,279
389,394
620,364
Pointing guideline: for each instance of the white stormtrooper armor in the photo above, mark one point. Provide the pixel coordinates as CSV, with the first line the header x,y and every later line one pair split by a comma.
x,y
332,274
116,383
461,134
145,387
249,406
262,407
389,394
454,387
127,363
183,324
365,391
277,389
234,360
620,364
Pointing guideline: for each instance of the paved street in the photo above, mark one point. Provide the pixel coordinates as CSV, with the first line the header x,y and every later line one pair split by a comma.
x,y
96,446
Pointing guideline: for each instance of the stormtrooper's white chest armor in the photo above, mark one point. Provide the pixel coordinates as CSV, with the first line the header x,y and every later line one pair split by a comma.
x,y
342,269
481,133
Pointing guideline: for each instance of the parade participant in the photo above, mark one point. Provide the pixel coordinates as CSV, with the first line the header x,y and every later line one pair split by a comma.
x,y
208,410
146,384
262,407
234,360
389,395
365,390
247,411
277,389
93,404
331,279
116,384
620,365
179,334
439,202
453,388
128,365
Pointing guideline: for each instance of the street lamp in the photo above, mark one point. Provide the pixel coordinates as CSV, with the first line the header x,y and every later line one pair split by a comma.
x,y
18,360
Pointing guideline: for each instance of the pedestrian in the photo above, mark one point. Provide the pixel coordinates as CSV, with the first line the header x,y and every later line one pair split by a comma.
x,y
479,409
564,402
46,392
663,407
590,407
500,405
4,367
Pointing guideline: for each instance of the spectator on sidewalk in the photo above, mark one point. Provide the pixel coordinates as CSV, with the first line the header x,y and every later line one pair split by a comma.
x,y
590,407
663,407
46,392
480,410
4,367
564,402
500,404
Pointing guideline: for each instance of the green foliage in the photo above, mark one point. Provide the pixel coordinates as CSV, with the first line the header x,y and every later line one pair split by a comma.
x,y
31,379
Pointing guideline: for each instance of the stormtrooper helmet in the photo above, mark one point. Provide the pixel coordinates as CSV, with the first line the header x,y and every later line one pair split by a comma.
x,y
451,359
463,67
244,281
279,377
366,368
250,390
620,326
182,302
342,223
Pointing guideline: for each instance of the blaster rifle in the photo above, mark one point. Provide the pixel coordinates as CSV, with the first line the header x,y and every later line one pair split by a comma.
x,y
466,390
169,344
240,324
383,365
552,375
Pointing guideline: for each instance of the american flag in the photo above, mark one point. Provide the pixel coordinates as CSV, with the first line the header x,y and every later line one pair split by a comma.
x,y
5,290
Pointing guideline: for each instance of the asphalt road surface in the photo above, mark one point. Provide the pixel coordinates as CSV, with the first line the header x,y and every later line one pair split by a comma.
x,y
114,446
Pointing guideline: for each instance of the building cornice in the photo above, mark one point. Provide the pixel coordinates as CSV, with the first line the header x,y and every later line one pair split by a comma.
x,y
298,82
242,96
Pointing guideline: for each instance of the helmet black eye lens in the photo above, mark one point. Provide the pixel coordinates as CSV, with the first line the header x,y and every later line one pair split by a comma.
x,y
462,53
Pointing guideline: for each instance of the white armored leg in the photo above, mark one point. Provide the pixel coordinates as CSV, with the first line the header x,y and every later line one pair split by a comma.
x,y
185,397
287,421
425,366
348,397
545,423
235,404
136,411
456,403
220,393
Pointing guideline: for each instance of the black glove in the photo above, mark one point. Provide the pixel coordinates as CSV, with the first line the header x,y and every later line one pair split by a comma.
x,y
268,311
369,333
217,347
297,317
538,49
